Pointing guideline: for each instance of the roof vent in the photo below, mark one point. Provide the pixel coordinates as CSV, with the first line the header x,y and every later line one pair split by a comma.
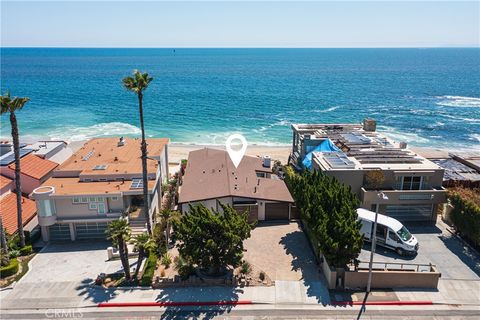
x,y
267,161
121,142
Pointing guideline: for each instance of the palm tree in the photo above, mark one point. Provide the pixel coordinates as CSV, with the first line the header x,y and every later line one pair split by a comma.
x,y
138,84
119,232
11,105
4,259
144,244
167,217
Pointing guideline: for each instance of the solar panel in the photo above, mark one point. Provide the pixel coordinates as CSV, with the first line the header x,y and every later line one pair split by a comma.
x,y
100,167
10,157
338,160
88,156
356,138
137,183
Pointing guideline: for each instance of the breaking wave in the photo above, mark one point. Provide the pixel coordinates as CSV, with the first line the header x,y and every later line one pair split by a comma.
x,y
98,130
458,101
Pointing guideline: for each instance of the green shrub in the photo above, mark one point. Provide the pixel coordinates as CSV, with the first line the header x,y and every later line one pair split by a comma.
x,y
166,260
466,216
9,269
25,251
246,267
13,253
184,267
150,266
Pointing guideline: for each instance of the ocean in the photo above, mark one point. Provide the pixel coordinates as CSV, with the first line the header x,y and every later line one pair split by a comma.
x,y
426,97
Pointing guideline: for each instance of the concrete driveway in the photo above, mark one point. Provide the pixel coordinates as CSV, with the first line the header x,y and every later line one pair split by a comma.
x,y
439,247
60,275
282,251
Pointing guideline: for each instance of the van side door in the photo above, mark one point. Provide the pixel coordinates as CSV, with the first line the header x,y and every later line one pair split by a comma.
x,y
381,234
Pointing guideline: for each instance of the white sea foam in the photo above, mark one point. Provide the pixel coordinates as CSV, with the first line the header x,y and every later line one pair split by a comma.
x,y
458,101
475,136
392,133
471,120
97,130
326,110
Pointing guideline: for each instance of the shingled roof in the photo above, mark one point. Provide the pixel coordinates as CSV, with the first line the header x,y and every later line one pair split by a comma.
x,y
210,174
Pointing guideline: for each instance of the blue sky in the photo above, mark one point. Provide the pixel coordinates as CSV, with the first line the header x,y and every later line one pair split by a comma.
x,y
240,24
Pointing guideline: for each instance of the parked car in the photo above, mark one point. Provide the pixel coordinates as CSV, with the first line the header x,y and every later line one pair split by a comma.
x,y
390,232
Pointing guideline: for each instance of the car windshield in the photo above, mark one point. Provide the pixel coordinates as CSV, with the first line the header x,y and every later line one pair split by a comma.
x,y
404,234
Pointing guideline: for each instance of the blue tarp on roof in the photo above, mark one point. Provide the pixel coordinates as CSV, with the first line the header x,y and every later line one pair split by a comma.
x,y
326,146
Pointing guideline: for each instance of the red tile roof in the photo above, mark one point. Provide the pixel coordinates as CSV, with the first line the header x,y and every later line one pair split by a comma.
x,y
34,166
4,181
8,212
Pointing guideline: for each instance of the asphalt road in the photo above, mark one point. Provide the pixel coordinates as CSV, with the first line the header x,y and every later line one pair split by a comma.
x,y
208,313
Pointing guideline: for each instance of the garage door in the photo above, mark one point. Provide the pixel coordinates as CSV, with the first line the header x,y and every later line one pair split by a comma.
x,y
410,212
59,232
251,209
91,230
276,211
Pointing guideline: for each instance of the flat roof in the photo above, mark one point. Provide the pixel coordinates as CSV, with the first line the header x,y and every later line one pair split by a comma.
x,y
73,186
361,149
104,156
44,147
210,174
34,166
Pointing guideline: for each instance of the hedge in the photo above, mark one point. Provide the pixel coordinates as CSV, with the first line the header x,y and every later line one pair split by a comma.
x,y
150,266
25,251
9,269
466,217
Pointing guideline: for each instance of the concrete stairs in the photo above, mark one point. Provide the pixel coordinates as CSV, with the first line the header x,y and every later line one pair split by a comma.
x,y
138,225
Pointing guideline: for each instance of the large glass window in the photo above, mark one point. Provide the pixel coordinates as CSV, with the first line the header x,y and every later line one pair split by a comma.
x,y
47,208
409,182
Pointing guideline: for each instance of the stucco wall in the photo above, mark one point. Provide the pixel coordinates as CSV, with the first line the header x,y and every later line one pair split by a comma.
x,y
392,279
28,183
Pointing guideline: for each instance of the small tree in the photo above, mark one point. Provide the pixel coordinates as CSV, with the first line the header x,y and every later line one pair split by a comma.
x,y
144,244
167,216
4,259
212,239
328,209
119,232
9,105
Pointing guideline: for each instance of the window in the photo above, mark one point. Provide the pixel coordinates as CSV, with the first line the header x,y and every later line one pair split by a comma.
x,y
92,206
409,182
91,199
83,199
100,199
102,179
87,180
260,174
394,237
114,198
47,208
404,234
101,208
76,200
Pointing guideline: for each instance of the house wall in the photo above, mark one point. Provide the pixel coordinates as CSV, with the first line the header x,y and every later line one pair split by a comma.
x,y
8,187
65,208
28,183
209,204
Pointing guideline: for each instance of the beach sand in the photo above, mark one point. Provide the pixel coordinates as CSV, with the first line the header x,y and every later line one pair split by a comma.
x,y
177,152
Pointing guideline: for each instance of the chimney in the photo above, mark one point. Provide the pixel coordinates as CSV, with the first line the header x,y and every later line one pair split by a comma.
x,y
267,161
403,145
369,125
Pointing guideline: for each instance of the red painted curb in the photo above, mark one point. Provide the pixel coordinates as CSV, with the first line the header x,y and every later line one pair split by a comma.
x,y
383,303
172,304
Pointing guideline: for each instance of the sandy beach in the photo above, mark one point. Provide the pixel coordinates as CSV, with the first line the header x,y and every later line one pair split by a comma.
x,y
177,152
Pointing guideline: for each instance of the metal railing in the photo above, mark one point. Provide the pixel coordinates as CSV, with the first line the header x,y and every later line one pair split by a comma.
x,y
386,266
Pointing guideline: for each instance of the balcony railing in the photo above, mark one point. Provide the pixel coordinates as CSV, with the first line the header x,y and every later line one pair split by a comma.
x,y
436,195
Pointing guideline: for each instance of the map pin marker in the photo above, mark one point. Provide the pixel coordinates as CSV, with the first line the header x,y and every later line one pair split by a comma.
x,y
236,156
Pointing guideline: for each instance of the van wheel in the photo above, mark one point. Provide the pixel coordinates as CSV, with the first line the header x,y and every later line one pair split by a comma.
x,y
399,251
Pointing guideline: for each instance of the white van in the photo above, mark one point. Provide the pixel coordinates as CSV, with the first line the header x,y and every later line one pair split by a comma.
x,y
390,232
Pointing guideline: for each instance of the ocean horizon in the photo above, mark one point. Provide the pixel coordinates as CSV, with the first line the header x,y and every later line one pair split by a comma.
x,y
427,97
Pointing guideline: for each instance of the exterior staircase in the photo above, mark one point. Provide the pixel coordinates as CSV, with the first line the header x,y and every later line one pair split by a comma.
x,y
138,225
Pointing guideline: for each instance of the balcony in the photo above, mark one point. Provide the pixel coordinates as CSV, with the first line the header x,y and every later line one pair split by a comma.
x,y
432,195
